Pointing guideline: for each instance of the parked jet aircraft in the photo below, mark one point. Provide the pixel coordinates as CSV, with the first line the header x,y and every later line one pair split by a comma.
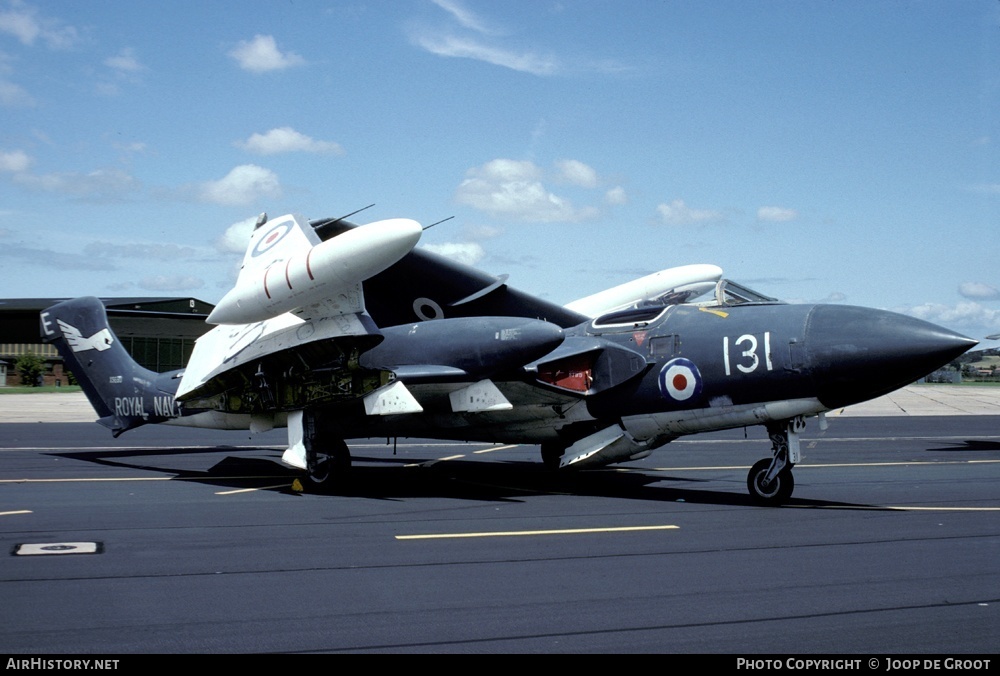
x,y
338,332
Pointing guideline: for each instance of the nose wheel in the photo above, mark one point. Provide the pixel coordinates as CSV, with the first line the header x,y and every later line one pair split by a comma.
x,y
770,481
771,492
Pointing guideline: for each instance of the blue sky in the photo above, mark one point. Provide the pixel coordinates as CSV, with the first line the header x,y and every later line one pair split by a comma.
x,y
816,151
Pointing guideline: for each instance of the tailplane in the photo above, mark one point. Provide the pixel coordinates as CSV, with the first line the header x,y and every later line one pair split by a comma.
x,y
124,394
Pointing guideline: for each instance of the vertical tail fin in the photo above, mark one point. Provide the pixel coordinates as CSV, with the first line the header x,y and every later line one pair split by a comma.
x,y
124,394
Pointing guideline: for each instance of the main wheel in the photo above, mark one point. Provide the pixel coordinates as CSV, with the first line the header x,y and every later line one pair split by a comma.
x,y
320,474
551,453
331,467
775,493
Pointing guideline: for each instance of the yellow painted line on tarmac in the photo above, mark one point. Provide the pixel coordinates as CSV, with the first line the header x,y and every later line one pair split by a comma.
x,y
497,448
19,511
430,463
428,444
518,533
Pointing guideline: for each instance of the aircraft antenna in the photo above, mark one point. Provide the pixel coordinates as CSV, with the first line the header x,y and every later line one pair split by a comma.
x,y
436,223
330,221
356,211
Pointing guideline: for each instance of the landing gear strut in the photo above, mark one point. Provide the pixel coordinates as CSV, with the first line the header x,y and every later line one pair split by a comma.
x,y
770,480
327,457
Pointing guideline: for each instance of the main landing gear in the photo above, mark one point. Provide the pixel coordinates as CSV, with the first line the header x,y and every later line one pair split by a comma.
x,y
328,465
552,452
770,480
314,446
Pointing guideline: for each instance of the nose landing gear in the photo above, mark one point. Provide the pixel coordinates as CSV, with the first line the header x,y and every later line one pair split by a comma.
x,y
770,481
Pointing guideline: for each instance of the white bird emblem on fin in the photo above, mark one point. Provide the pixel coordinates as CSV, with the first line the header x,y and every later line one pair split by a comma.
x,y
100,341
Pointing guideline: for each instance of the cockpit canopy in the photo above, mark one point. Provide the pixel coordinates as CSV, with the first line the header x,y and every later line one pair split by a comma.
x,y
729,293
725,293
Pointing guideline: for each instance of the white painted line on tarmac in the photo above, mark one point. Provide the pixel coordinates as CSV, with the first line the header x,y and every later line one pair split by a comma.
x,y
894,508
128,479
906,463
251,490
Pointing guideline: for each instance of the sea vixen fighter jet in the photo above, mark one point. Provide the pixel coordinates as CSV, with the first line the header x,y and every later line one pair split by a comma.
x,y
339,332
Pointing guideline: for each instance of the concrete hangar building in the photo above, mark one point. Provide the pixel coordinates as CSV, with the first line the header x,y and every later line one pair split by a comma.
x,y
159,333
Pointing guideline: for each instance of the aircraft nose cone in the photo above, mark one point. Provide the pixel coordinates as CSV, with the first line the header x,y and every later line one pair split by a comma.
x,y
858,353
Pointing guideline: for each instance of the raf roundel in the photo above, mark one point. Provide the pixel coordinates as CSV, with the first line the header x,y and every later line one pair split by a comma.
x,y
680,380
269,240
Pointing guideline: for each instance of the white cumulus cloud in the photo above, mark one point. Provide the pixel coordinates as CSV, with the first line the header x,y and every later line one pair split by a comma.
x,y
577,173
468,253
987,188
236,238
963,316
14,96
16,161
25,24
124,62
513,188
776,214
978,291
262,55
616,195
99,184
287,140
679,213
242,185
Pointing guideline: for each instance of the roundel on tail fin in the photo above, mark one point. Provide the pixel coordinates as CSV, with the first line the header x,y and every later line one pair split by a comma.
x,y
269,239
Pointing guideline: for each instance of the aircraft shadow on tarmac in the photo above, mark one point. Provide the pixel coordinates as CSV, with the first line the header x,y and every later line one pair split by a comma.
x,y
970,445
396,478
